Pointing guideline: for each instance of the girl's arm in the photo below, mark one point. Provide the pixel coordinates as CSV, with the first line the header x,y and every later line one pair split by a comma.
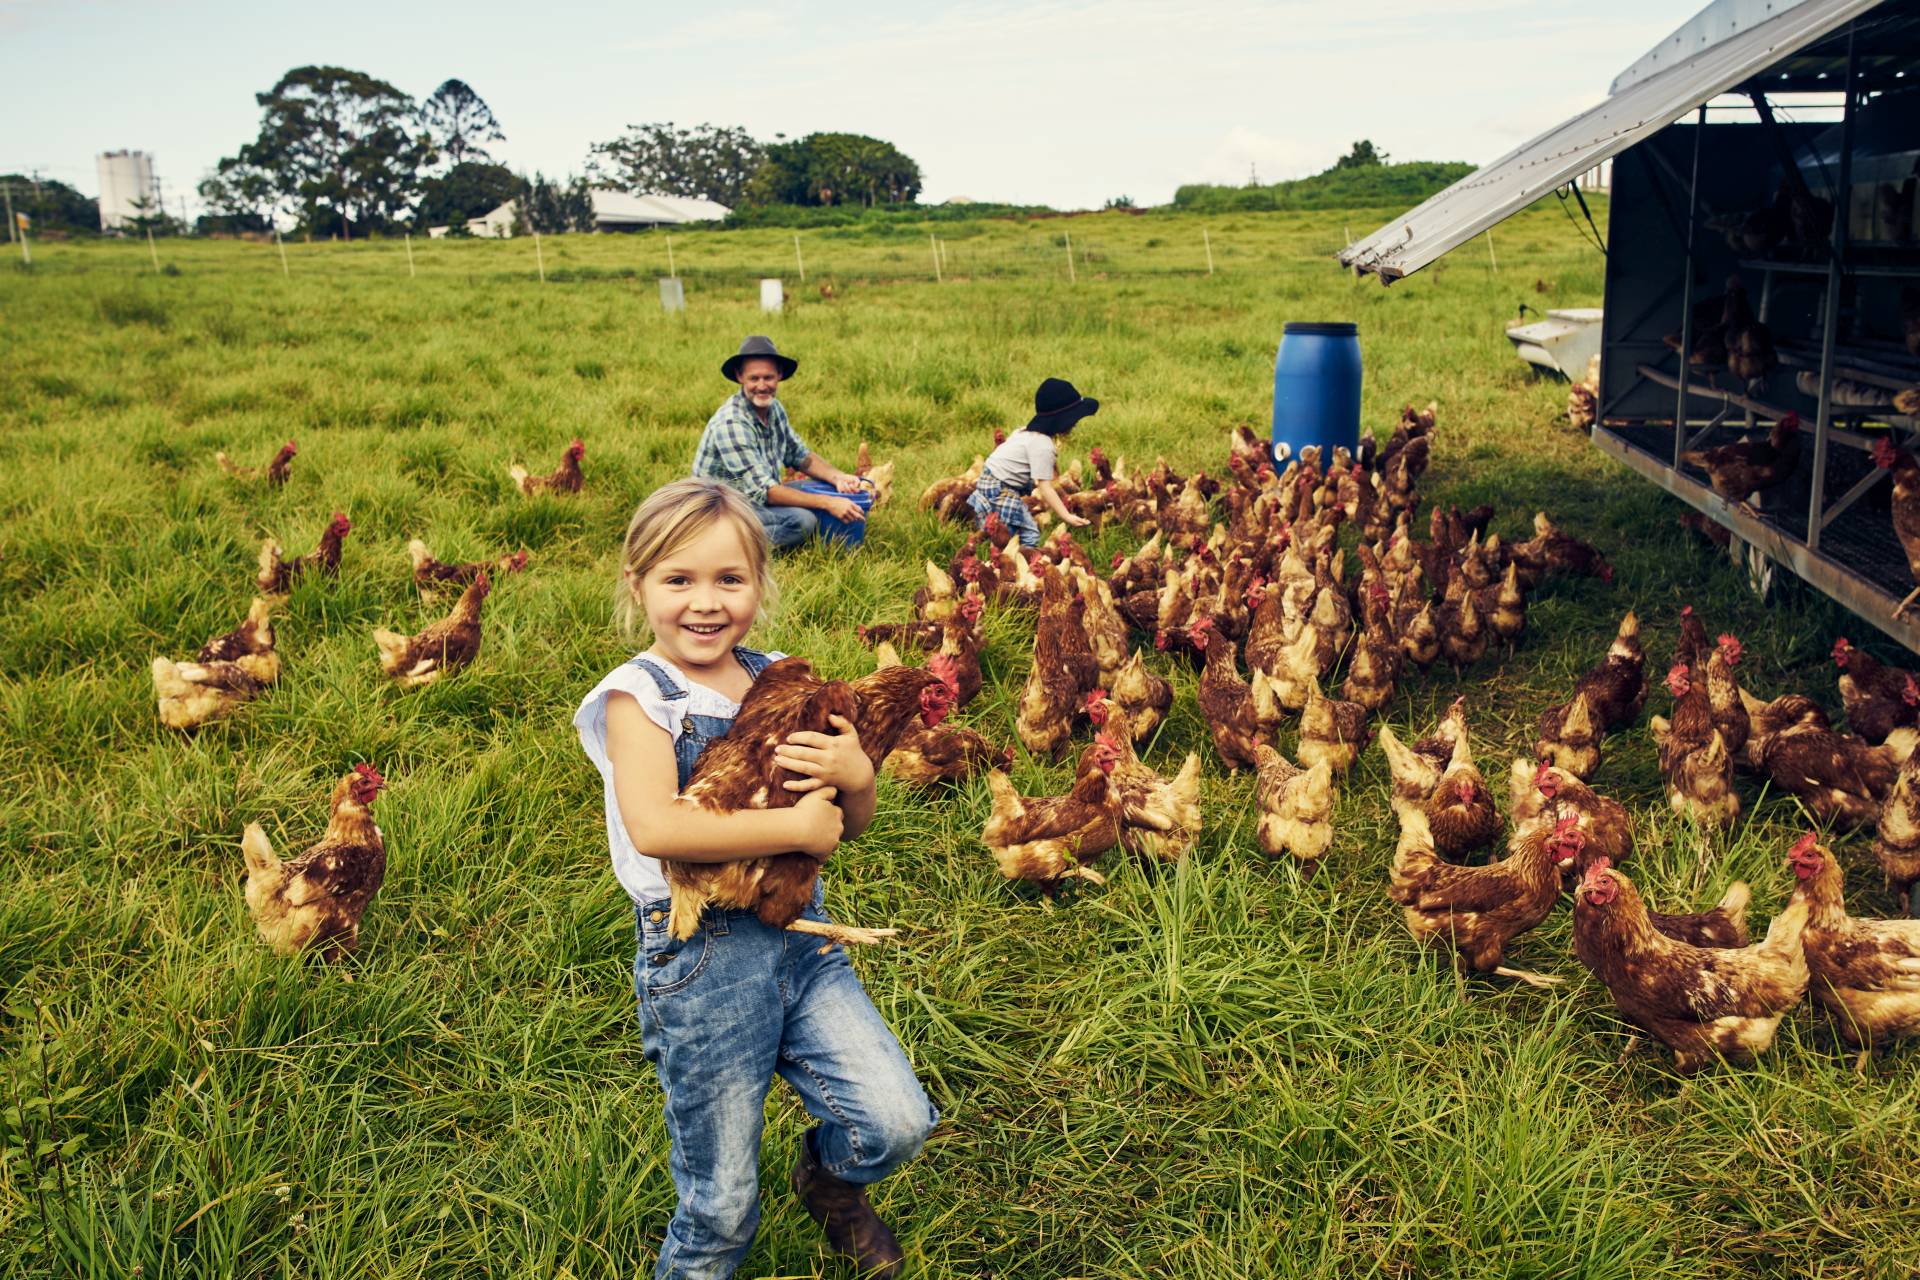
x,y
1051,496
661,825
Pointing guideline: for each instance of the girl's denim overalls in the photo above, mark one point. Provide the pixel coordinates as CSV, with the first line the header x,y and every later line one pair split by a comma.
x,y
724,1012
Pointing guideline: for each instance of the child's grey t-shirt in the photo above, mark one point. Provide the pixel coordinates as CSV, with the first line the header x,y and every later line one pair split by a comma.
x,y
1023,461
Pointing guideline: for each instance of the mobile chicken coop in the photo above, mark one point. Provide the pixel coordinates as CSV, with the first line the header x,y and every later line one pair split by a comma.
x,y
1769,149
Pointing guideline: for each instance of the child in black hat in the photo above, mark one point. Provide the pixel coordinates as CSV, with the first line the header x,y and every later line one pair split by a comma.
x,y
1025,463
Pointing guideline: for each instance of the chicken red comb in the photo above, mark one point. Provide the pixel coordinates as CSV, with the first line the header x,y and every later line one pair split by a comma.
x,y
1118,556
370,773
340,523
1883,452
972,605
517,561
578,448
1730,649
1911,694
1686,611
1841,651
1803,846
1792,421
291,447
1545,781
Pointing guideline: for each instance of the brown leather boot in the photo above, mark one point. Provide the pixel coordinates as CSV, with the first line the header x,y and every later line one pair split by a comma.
x,y
852,1227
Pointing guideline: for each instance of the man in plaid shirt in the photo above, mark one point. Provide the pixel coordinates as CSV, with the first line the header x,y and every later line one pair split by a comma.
x,y
749,440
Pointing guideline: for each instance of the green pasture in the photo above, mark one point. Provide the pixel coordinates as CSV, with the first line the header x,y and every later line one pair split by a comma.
x,y
1211,1070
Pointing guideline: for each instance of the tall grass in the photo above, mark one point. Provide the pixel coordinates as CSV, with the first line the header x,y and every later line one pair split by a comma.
x,y
1212,1069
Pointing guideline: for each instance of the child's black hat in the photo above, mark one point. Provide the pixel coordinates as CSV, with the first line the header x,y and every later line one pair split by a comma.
x,y
1057,405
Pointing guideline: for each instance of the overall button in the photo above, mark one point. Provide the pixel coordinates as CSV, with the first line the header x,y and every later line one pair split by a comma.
x,y
656,916
662,958
686,726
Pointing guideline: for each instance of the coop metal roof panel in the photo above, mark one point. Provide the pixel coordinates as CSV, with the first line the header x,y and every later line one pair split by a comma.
x,y
1637,110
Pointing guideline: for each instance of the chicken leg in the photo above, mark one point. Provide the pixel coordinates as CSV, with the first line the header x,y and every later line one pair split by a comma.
x,y
845,935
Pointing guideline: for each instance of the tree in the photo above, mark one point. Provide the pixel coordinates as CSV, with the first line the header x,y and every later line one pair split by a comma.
x,y
465,191
835,168
459,122
239,197
553,207
50,205
1363,156
342,146
707,161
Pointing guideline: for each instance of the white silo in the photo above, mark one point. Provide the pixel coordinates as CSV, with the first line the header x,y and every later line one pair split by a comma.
x,y
126,178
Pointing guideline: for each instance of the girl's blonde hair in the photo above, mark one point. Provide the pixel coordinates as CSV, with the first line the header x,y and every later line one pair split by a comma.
x,y
672,516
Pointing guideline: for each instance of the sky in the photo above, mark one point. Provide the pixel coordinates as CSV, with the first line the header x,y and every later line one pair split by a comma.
x,y
1060,102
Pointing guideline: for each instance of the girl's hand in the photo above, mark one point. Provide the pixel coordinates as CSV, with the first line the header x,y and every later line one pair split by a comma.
x,y
1078,522
820,823
826,759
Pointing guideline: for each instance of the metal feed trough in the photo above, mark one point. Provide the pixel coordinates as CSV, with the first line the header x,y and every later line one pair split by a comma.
x,y
1697,131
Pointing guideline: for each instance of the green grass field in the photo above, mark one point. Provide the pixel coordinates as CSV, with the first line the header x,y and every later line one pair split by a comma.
x,y
1216,1069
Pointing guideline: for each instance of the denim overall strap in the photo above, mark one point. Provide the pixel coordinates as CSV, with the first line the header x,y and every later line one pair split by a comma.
x,y
695,731
752,660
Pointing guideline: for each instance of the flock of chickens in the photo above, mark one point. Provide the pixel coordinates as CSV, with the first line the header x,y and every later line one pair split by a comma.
x,y
316,899
1245,573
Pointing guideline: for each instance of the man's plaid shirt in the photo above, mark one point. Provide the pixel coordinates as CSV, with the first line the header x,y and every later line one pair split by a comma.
x,y
746,453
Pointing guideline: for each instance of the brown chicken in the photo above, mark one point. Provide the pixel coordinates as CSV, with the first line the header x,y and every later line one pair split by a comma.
x,y
1453,799
945,752
317,898
1751,466
879,478
250,645
1878,699
447,645
1047,839
1702,1002
1838,777
1896,842
431,577
1906,509
1295,805
1478,911
277,575
1144,697
1767,720
1750,351
947,497
276,471
229,670
190,694
1551,551
1541,794
1226,701
1064,669
738,773
1694,757
1332,732
566,477
1865,972
1570,737
1158,817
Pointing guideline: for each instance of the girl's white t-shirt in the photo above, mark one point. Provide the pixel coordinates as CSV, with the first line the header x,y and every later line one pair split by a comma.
x,y
638,874
1023,460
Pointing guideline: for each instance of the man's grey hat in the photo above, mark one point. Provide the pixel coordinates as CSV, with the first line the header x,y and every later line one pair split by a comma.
x,y
758,347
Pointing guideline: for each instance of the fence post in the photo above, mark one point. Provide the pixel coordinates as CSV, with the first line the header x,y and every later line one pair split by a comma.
x,y
410,271
539,259
1072,276
1207,240
282,244
933,243
797,260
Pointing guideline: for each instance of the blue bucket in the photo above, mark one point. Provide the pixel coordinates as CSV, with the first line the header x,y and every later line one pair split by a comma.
x,y
1316,389
848,535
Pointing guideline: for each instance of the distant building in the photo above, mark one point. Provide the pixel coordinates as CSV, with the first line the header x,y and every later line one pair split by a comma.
x,y
615,211
126,179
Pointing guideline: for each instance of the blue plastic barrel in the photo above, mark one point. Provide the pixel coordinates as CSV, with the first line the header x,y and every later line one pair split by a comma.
x,y
1316,389
851,535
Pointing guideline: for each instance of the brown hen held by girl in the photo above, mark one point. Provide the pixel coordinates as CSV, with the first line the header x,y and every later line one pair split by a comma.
x,y
738,773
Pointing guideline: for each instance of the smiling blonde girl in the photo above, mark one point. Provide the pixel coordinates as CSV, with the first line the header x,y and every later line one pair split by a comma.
x,y
741,1001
